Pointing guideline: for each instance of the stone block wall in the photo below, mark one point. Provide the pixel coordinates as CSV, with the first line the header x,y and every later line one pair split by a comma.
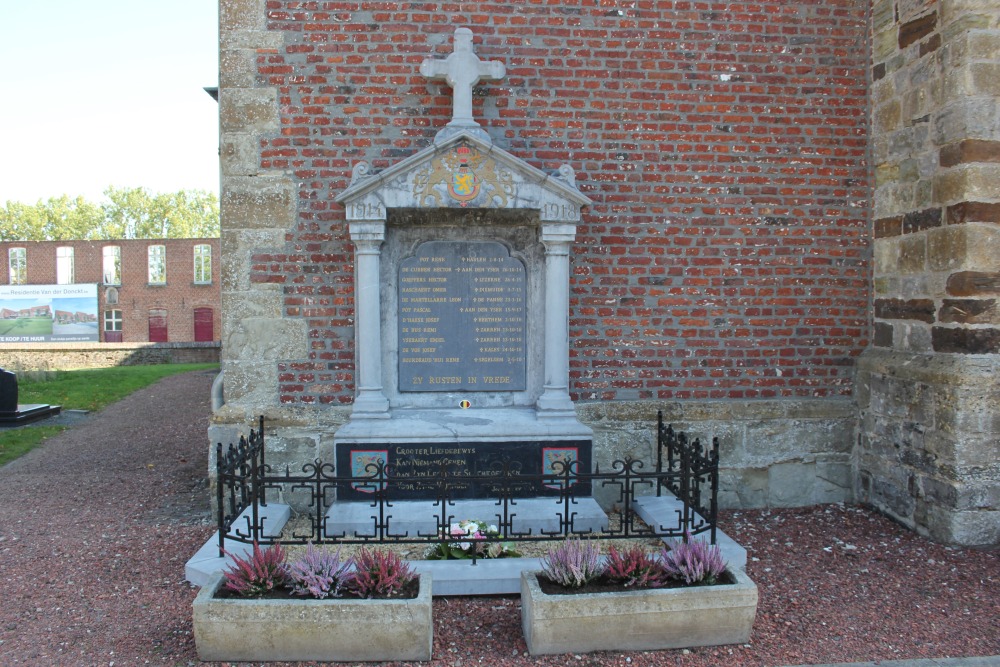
x,y
19,357
928,390
772,453
930,443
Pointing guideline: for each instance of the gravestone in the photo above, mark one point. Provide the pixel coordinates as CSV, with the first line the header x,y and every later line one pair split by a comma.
x,y
462,306
14,414
8,392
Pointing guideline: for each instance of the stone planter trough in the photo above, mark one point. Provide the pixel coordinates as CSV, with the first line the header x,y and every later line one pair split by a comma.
x,y
308,629
637,619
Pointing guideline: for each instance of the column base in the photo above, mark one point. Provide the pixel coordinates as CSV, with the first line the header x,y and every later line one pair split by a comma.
x,y
555,404
370,404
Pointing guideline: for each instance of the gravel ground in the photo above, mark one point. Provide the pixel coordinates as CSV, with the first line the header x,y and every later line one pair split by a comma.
x,y
98,523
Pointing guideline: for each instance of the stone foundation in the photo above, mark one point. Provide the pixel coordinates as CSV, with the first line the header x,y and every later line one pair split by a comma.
x,y
929,450
773,453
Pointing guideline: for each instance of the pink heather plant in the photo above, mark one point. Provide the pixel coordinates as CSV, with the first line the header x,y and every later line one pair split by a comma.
x,y
319,573
693,561
572,564
379,574
256,576
634,567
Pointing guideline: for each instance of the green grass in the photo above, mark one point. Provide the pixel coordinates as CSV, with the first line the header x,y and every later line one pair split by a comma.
x,y
94,388
90,389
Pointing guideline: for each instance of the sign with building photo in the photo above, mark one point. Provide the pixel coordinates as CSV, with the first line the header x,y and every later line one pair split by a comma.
x,y
48,313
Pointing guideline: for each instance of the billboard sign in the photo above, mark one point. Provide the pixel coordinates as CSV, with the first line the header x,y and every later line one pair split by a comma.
x,y
49,314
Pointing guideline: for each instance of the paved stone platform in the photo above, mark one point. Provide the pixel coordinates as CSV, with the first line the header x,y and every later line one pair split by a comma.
x,y
458,577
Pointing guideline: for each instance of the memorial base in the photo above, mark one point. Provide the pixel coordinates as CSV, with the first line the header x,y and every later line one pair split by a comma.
x,y
423,447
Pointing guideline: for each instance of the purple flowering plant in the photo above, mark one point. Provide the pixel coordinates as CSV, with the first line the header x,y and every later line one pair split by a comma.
x,y
695,562
371,573
573,563
319,572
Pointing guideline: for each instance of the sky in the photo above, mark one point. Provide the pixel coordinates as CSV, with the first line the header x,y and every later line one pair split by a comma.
x,y
95,93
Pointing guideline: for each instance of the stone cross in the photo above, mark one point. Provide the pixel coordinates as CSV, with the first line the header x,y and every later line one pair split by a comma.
x,y
462,70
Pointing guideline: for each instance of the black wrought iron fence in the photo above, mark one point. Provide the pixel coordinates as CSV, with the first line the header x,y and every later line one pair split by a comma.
x,y
697,471
245,481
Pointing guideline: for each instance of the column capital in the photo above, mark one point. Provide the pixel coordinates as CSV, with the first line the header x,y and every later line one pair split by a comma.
x,y
555,234
367,233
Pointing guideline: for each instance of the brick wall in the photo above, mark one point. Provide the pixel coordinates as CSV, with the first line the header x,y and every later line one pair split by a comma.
x,y
136,297
724,146
722,274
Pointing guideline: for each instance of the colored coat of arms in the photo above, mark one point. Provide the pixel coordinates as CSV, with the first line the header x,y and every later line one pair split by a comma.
x,y
464,185
557,461
366,464
464,172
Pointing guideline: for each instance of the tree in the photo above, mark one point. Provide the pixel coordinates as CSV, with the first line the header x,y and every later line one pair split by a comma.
x,y
128,213
59,219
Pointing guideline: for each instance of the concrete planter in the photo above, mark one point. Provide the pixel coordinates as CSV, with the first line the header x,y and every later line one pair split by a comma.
x,y
309,629
637,620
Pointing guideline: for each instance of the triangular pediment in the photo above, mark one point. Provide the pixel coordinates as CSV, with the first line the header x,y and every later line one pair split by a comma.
x,y
463,171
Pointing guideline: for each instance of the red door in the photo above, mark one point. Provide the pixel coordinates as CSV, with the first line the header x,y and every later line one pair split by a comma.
x,y
157,326
203,331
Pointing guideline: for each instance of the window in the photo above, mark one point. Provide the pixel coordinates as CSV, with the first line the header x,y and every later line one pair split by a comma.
x,y
157,265
112,265
64,266
202,264
17,263
112,326
157,326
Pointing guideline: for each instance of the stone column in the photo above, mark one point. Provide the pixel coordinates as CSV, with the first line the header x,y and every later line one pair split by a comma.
x,y
929,385
555,401
370,402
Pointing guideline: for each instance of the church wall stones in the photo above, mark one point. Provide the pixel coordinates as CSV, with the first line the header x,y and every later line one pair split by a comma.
x,y
927,390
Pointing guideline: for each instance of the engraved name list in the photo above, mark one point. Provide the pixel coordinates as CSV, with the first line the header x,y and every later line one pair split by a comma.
x,y
462,318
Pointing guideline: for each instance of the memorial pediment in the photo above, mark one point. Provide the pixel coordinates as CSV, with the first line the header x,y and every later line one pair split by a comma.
x,y
463,171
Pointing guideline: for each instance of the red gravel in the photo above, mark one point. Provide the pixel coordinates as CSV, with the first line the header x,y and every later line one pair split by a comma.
x,y
98,523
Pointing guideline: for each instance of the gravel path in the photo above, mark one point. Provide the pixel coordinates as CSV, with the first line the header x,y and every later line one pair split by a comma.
x,y
98,522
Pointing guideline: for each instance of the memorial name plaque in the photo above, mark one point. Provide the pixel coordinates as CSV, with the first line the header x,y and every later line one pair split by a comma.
x,y
462,318
415,471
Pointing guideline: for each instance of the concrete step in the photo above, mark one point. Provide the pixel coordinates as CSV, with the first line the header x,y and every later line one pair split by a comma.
x,y
662,513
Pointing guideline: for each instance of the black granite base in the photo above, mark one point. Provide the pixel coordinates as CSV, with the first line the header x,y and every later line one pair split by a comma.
x,y
415,470
27,413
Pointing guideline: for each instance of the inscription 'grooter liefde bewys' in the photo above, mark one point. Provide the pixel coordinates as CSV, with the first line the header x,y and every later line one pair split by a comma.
x,y
462,318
